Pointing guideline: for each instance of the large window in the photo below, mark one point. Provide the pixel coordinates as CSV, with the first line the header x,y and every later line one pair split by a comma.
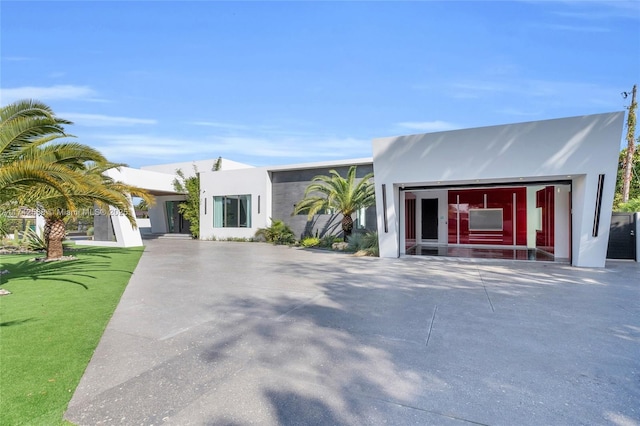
x,y
232,211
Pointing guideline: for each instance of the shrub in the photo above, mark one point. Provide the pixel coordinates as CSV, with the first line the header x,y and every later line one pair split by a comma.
x,y
32,240
366,244
370,243
355,242
632,206
310,242
4,225
278,233
239,239
328,240
90,231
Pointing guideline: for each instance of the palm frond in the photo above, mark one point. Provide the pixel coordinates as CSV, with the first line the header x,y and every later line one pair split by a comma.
x,y
56,177
23,180
72,154
27,123
335,192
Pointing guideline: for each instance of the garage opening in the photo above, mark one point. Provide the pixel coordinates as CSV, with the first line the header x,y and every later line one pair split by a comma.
x,y
521,222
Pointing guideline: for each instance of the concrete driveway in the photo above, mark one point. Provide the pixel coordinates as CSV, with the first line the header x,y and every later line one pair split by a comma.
x,y
217,333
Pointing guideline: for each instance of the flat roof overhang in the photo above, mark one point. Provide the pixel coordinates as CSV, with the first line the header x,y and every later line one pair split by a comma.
x,y
487,183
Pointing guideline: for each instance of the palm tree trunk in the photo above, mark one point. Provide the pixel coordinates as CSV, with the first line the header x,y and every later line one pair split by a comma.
x,y
54,232
347,226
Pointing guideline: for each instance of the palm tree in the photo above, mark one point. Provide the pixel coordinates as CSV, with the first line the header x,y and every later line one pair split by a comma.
x,y
58,178
26,125
339,194
95,188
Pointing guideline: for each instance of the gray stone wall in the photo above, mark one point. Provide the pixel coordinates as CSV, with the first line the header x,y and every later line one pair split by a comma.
x,y
288,189
103,228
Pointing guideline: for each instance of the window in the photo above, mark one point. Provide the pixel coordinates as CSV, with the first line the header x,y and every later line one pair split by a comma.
x,y
361,218
485,219
232,211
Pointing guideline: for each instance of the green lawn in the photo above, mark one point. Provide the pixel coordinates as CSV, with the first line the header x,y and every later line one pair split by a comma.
x,y
50,326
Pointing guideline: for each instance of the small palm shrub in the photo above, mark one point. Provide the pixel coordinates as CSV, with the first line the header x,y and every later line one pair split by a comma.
x,y
32,240
278,233
370,243
310,242
328,240
366,244
355,242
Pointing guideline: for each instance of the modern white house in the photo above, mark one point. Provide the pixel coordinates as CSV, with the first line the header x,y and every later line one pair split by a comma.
x,y
236,200
236,203
536,190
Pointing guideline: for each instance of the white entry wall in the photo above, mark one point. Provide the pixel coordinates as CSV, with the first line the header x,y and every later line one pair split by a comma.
x,y
252,182
576,149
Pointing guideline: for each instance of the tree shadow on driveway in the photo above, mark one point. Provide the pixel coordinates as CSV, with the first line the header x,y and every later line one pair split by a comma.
x,y
273,335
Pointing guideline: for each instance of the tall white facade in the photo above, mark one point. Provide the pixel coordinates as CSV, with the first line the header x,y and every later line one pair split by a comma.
x,y
580,150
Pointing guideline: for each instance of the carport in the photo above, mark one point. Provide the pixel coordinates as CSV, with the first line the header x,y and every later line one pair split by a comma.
x,y
544,185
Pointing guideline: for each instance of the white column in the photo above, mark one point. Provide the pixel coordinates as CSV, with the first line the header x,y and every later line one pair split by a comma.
x,y
126,235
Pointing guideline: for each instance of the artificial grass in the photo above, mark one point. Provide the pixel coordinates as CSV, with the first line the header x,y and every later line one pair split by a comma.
x,y
50,326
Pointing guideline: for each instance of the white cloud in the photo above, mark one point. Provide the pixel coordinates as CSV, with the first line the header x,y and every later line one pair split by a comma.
x,y
552,92
428,126
307,149
232,128
600,9
219,125
576,28
46,93
99,120
131,148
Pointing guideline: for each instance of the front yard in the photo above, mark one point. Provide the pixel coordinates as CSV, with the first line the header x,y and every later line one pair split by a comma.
x,y
50,325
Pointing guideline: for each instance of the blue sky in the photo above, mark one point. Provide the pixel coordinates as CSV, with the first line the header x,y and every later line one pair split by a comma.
x,y
270,83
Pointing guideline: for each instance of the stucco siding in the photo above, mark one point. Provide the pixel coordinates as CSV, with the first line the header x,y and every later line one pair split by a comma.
x,y
577,148
250,181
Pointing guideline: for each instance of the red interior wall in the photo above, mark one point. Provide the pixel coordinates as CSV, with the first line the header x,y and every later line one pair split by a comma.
x,y
545,238
410,218
496,198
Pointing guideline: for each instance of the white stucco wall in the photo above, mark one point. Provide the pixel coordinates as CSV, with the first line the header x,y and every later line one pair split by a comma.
x,y
144,225
152,181
253,181
576,149
149,180
127,235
